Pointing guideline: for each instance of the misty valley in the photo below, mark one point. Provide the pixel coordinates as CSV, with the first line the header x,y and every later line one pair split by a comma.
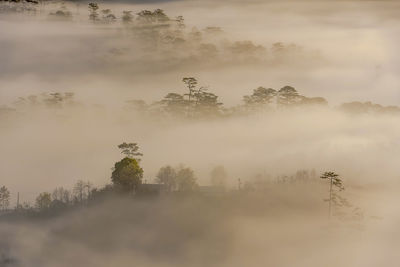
x,y
199,133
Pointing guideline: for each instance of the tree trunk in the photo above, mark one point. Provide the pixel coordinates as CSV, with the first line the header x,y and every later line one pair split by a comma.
x,y
330,198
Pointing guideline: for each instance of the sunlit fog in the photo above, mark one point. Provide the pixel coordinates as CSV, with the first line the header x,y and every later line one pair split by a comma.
x,y
199,133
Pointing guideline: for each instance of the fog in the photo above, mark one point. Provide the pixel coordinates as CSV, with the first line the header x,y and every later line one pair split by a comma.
x,y
343,51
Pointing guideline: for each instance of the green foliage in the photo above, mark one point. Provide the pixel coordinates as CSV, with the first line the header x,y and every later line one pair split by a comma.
x,y
127,175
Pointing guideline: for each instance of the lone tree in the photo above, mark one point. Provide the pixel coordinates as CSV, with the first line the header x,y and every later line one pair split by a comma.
x,y
127,175
130,150
336,184
4,198
93,7
191,84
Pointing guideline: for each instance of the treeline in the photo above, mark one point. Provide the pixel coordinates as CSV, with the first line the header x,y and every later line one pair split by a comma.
x,y
156,32
199,102
127,180
19,6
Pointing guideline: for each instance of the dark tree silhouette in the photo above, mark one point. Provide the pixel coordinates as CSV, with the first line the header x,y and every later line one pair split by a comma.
x,y
288,96
334,183
4,198
130,150
93,15
261,97
127,17
191,84
43,201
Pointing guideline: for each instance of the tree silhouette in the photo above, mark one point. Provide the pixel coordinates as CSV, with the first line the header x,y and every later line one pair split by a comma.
x,y
335,184
288,96
186,180
174,104
130,150
167,176
4,198
149,17
61,194
93,7
43,201
199,101
191,84
127,16
108,17
82,191
260,98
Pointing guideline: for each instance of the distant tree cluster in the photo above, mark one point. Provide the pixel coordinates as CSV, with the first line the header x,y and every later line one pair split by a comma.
x,y
180,179
62,13
368,108
262,182
19,6
198,102
156,32
287,96
48,100
62,198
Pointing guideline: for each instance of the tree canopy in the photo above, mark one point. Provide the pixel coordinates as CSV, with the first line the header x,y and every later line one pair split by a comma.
x,y
127,175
